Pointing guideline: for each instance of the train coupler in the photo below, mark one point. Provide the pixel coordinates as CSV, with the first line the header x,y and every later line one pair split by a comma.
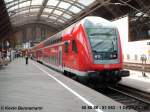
x,y
124,73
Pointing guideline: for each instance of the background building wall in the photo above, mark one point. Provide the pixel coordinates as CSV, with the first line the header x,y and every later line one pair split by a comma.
x,y
33,33
132,50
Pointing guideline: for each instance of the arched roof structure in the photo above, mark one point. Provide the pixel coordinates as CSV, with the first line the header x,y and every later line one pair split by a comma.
x,y
59,14
55,13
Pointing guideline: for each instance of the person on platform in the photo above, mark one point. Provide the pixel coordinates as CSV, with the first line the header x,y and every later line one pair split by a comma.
x,y
26,57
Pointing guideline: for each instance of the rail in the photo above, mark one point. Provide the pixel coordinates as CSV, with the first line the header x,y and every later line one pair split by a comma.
x,y
132,98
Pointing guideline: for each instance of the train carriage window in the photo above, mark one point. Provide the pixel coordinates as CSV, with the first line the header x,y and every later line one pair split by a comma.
x,y
60,39
50,42
66,47
47,43
74,46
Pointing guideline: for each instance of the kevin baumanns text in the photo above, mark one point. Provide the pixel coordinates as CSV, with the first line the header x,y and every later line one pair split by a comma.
x,y
29,108
20,108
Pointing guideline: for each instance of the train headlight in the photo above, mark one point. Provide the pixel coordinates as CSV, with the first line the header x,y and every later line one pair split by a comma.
x,y
114,56
97,56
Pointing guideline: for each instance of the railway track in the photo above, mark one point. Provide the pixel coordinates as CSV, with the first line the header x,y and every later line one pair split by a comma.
x,y
130,97
138,101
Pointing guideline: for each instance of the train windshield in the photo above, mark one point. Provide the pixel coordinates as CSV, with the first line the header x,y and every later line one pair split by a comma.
x,y
102,39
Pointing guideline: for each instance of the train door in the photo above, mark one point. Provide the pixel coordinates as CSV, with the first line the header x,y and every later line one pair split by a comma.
x,y
60,57
75,53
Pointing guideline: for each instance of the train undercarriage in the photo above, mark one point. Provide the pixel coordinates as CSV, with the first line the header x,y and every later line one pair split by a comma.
x,y
103,78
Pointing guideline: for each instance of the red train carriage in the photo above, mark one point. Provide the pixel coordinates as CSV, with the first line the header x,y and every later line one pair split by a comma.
x,y
89,49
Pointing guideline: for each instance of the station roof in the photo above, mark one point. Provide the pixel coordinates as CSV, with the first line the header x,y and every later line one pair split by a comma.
x,y
53,12
58,14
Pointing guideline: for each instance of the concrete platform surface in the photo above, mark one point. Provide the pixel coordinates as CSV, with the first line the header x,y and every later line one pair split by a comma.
x,y
37,88
137,80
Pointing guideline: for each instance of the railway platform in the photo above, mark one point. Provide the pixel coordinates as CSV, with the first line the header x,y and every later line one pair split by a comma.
x,y
37,88
137,80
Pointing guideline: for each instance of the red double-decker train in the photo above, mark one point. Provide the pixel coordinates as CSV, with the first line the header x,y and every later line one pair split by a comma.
x,y
89,49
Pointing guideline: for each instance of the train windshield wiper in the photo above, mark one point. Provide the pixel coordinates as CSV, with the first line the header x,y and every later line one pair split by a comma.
x,y
104,46
97,44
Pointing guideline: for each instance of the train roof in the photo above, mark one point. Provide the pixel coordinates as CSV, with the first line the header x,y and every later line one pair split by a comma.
x,y
86,22
94,21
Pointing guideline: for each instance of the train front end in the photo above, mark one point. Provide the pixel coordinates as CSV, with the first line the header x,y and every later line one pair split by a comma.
x,y
105,50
